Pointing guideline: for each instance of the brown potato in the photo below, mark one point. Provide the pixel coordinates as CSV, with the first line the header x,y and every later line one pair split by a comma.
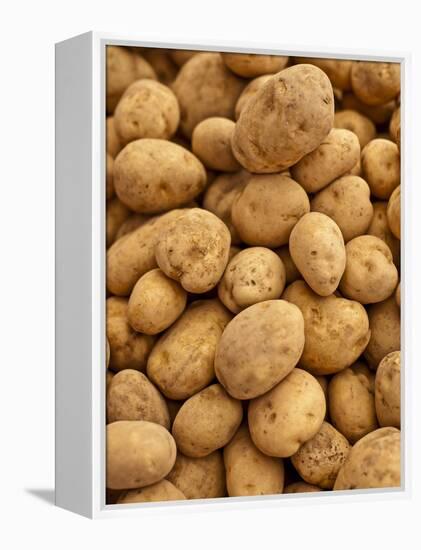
x,y
395,124
252,65
109,176
158,492
301,487
385,325
338,70
211,143
180,57
379,227
249,91
375,83
361,125
394,212
291,271
116,214
379,114
398,294
388,390
380,162
112,140
162,64
131,223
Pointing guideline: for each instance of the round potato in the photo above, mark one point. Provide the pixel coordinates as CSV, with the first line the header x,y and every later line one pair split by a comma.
x,y
249,91
338,70
385,325
394,212
288,415
288,117
291,271
379,114
301,487
354,121
182,361
252,65
351,402
206,421
267,209
373,462
318,250
211,143
380,162
114,145
139,453
158,492
109,176
259,348
336,330
116,214
379,227
388,390
375,83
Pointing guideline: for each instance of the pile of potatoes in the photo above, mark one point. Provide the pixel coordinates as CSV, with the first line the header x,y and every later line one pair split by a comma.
x,y
253,275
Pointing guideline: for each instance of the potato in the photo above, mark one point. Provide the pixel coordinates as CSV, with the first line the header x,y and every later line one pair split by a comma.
x,y
259,348
252,65
388,390
351,402
394,212
374,462
318,250
375,83
131,223
249,471
155,303
301,487
180,57
319,459
287,118
395,123
199,477
370,275
162,64
379,227
112,140
347,202
288,415
338,153
380,162
129,349
206,422
158,492
291,271
211,143
249,91
398,294
336,330
194,249
338,70
147,109
182,361
354,121
255,275
139,453
116,214
109,175
154,175
108,379
385,328
205,87
267,209
379,114
132,397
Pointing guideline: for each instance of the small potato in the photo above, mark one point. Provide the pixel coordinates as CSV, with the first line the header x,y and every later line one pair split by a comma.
x,y
249,471
388,390
211,143
206,422
155,303
398,294
351,402
182,361
129,349
395,123
288,415
380,162
194,250
154,175
385,325
338,153
373,462
379,114
109,176
131,223
375,83
354,121
139,453
254,275
252,65
394,212
158,492
249,91
338,70
259,348
288,117
116,214
132,397
301,487
199,477
336,330
319,459
291,271
267,209
379,227
370,275
112,140
147,109
318,250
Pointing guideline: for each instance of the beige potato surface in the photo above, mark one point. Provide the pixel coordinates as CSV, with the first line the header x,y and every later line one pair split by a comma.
x,y
379,114
113,143
398,294
249,91
388,390
158,492
116,215
375,83
211,143
395,124
379,227
291,271
354,121
301,487
252,65
385,325
162,63
394,212
338,70
180,57
109,176
131,223
380,162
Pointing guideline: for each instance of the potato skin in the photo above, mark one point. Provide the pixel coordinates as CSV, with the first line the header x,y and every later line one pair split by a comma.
x,y
385,325
380,162
113,143
379,227
398,295
249,471
373,462
249,91
325,319
375,83
354,121
379,114
338,70
206,422
301,487
288,415
252,65
109,176
318,250
199,477
394,212
189,346
291,271
158,492
139,453
116,215
155,175
266,210
388,390
246,367
319,459
288,117
211,143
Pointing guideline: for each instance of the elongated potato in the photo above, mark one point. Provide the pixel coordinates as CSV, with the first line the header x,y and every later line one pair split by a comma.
x,y
158,492
388,390
385,325
252,65
354,121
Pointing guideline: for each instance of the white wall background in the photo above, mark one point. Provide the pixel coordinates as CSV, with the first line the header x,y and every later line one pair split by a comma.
x,y
28,32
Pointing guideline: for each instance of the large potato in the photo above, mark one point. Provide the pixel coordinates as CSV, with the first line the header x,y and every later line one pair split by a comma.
x,y
259,348
375,83
288,415
380,163
158,492
385,325
182,361
388,390
206,422
394,212
338,70
318,250
354,121
139,453
211,143
379,227
252,65
249,91
288,117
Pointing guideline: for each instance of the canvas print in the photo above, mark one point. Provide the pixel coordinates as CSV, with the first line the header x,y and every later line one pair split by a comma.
x,y
253,275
